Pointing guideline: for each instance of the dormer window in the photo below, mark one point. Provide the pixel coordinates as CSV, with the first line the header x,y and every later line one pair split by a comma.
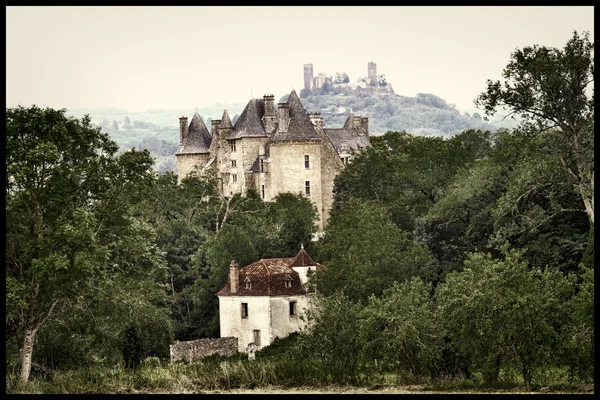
x,y
288,281
248,283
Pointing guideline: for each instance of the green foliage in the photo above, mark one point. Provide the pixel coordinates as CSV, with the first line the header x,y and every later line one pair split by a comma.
x,y
549,89
132,348
333,338
401,329
72,241
365,252
511,315
425,114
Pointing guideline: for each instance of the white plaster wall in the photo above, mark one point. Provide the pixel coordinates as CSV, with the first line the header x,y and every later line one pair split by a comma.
x,y
232,323
270,315
282,322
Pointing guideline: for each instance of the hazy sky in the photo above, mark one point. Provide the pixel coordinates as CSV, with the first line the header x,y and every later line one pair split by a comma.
x,y
145,57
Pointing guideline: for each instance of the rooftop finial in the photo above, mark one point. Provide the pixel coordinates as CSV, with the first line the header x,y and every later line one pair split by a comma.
x,y
302,245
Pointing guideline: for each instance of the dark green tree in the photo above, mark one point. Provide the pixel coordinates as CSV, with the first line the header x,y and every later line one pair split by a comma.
x,y
364,252
69,227
551,88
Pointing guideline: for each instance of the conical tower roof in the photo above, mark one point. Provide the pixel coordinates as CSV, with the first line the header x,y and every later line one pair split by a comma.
x,y
302,259
250,121
198,138
300,128
225,121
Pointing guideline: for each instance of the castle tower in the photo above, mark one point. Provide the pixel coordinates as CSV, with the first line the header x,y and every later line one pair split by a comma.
x,y
308,76
372,77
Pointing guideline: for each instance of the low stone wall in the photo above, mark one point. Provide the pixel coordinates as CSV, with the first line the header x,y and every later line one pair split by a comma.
x,y
196,349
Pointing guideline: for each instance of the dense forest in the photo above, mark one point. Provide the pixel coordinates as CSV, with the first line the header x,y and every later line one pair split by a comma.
x,y
466,259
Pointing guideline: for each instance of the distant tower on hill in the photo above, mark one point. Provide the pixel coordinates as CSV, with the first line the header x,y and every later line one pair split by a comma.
x,y
372,69
308,76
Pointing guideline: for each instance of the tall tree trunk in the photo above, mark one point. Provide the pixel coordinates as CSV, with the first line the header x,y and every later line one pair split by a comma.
x,y
27,354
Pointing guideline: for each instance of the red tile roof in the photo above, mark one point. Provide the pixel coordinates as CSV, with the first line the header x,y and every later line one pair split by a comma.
x,y
268,277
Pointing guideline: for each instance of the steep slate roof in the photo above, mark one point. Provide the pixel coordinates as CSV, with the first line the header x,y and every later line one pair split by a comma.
x,y
197,139
268,276
225,121
300,128
249,124
348,134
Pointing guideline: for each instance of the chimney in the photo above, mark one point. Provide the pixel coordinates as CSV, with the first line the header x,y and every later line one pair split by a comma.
x,y
316,119
269,118
214,141
284,116
183,129
364,123
234,276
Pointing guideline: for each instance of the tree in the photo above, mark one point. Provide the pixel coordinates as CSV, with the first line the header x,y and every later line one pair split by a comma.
x,y
341,78
365,252
381,80
499,312
549,88
69,228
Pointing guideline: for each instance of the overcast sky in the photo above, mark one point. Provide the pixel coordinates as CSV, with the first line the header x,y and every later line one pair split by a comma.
x,y
145,57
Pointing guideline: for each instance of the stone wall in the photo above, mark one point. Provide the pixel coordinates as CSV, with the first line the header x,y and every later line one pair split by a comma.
x,y
197,349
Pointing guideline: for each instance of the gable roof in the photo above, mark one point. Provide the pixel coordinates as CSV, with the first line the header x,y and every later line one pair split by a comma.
x,y
350,136
300,128
249,124
198,138
268,276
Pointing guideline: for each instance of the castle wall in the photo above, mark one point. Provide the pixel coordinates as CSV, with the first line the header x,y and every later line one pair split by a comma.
x,y
186,163
196,349
250,148
287,173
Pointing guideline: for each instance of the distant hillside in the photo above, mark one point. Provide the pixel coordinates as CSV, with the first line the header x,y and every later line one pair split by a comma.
x,y
158,130
425,114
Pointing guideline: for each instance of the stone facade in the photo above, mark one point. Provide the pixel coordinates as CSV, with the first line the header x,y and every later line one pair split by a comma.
x,y
197,349
272,149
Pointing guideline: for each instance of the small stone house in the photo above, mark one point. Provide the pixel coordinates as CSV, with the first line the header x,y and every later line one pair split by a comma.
x,y
265,300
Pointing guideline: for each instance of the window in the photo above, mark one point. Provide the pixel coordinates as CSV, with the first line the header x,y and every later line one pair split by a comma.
x,y
232,144
307,188
234,178
248,283
233,163
262,191
262,165
244,310
288,283
257,337
292,308
306,162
